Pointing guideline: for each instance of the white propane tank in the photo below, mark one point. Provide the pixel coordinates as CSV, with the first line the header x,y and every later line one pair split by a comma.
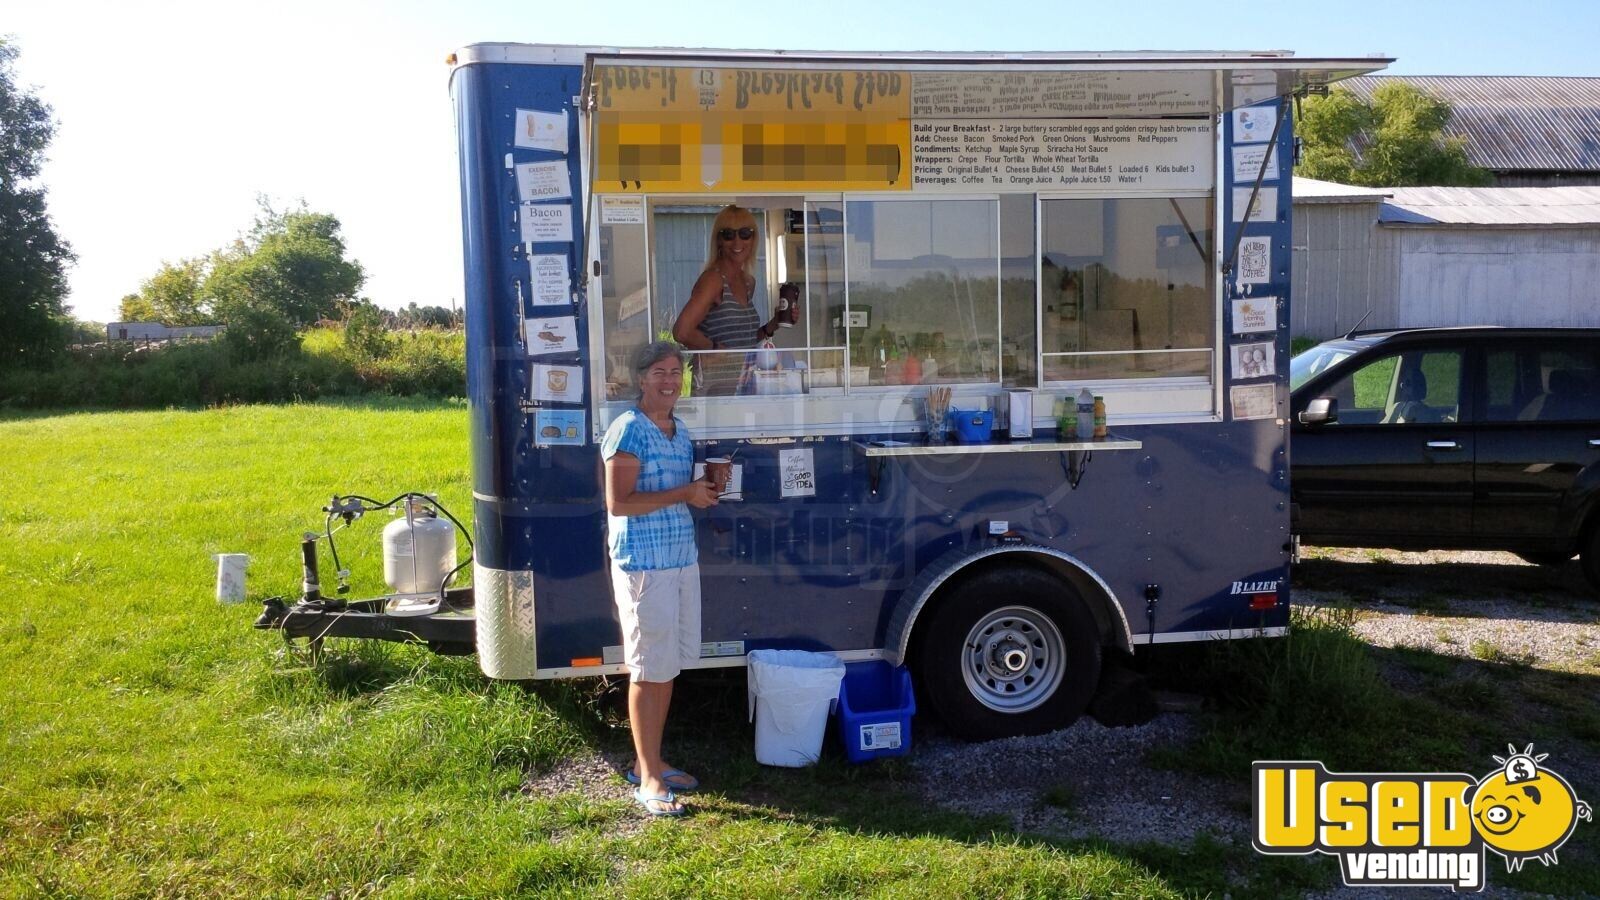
x,y
419,550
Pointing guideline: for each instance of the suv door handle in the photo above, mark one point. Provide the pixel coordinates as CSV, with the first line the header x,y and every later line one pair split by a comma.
x,y
1443,445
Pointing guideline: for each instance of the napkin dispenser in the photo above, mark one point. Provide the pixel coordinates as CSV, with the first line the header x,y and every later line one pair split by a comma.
x,y
1019,414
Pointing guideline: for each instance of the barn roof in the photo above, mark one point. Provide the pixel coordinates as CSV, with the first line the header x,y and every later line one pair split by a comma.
x,y
1492,207
1514,122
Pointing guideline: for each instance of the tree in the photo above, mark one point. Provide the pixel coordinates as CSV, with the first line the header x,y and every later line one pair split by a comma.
x,y
414,316
291,263
1395,140
135,308
33,259
173,295
85,331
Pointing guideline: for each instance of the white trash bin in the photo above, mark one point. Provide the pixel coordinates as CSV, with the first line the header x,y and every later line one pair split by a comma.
x,y
791,693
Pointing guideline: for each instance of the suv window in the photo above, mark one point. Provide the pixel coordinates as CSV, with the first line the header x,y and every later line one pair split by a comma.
x,y
1541,384
1415,387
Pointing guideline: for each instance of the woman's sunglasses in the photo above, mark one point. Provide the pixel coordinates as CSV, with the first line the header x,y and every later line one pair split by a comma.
x,y
744,234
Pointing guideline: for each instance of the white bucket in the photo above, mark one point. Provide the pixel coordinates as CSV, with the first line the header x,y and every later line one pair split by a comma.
x,y
791,693
230,576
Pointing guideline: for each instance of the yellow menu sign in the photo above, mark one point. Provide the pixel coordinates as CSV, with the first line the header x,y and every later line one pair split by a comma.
x,y
669,129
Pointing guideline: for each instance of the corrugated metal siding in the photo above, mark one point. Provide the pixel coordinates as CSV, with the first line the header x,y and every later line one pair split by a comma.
x,y
1332,267
1515,122
1529,278
1387,258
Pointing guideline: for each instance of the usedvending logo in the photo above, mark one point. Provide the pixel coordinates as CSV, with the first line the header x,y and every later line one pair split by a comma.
x,y
1417,829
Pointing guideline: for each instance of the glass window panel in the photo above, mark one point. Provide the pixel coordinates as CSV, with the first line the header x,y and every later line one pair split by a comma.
x,y
1532,384
1080,367
923,291
1409,388
1126,278
624,301
1019,323
798,242
818,259
681,249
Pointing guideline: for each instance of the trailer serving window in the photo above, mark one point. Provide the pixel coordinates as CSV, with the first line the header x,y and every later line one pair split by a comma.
x,y
1038,242
1126,288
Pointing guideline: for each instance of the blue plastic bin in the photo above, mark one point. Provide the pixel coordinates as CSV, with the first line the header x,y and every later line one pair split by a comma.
x,y
875,710
971,426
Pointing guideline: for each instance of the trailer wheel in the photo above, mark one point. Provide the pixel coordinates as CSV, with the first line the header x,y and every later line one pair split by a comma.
x,y
1591,555
1008,652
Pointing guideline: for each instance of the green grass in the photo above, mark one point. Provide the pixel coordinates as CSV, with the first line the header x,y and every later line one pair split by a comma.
x,y
156,745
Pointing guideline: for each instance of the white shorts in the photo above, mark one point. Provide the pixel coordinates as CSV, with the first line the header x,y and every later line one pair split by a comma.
x,y
659,611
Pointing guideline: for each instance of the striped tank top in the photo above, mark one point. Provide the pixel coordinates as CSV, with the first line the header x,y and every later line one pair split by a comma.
x,y
731,324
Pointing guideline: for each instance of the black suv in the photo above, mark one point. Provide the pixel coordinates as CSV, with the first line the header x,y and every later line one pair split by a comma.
x,y
1451,438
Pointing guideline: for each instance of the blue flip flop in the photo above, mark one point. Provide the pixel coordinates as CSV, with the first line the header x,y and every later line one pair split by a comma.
x,y
683,786
644,802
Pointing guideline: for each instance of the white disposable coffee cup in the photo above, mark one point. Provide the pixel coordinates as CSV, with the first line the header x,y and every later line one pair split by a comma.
x,y
230,576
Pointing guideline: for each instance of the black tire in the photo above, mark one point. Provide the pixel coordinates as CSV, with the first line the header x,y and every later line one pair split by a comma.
x,y
1591,555
1036,675
1546,559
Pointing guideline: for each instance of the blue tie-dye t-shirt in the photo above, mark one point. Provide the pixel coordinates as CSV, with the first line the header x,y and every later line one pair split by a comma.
x,y
663,539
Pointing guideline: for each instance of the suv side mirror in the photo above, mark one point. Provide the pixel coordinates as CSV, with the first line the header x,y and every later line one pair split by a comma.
x,y
1320,411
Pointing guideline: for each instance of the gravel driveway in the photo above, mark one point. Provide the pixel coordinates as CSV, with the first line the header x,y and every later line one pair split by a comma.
x,y
1479,605
1092,781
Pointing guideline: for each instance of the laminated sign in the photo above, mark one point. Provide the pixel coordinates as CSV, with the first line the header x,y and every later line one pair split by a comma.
x,y
556,334
546,223
798,474
1255,260
1253,314
540,130
551,284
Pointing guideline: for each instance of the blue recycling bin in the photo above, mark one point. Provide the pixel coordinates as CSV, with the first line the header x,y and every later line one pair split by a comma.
x,y
875,710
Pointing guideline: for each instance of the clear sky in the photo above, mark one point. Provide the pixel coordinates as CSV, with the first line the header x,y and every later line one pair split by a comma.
x,y
175,116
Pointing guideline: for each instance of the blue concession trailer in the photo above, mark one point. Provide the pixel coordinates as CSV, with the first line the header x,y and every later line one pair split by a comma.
x,y
1007,229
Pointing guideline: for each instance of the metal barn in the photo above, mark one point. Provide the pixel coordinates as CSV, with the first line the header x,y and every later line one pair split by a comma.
x,y
1416,257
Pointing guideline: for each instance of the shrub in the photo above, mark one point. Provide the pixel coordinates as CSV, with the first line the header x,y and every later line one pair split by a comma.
x,y
254,333
252,365
365,337
255,362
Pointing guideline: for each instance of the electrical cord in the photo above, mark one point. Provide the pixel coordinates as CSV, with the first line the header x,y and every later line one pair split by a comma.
x,y
333,549
443,598
372,505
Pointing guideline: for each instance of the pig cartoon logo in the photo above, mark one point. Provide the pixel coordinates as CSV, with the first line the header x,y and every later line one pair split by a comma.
x,y
1526,812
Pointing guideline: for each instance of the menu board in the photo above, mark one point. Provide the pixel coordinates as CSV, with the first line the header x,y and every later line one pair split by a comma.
x,y
956,155
995,94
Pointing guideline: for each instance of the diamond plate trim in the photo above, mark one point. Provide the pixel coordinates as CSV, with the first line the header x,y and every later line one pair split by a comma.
x,y
506,646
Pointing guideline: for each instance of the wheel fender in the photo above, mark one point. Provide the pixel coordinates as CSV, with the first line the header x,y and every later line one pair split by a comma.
x,y
1102,601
